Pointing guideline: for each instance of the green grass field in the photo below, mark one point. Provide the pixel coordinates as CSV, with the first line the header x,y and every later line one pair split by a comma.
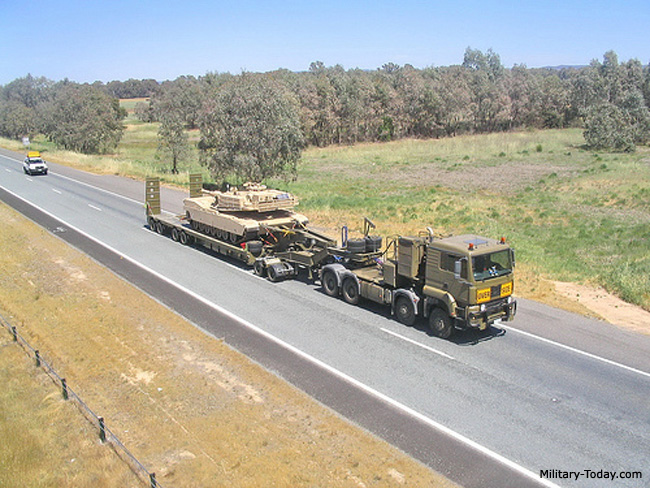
x,y
572,214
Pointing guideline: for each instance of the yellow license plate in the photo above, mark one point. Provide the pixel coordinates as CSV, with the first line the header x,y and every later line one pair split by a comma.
x,y
506,289
483,295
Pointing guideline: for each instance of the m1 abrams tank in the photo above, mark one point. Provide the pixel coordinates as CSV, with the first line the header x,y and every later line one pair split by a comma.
x,y
242,215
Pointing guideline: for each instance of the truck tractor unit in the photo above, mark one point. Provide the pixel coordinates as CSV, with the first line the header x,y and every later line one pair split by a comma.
x,y
454,282
461,282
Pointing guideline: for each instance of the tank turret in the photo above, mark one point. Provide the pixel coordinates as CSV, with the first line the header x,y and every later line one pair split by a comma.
x,y
253,198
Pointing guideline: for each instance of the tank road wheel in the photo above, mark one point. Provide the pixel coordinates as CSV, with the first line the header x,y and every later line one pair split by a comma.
x,y
233,238
175,234
404,311
440,323
350,290
330,283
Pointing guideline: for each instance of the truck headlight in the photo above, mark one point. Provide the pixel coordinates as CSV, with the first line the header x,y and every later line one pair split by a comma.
x,y
482,307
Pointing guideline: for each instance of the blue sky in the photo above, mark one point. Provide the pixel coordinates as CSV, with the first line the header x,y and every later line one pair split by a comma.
x,y
102,40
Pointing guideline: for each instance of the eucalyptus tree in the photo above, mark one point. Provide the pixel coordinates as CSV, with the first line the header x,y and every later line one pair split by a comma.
x,y
83,118
250,129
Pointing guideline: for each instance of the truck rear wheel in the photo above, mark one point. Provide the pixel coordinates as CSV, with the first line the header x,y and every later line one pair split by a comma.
x,y
440,323
404,311
350,291
330,283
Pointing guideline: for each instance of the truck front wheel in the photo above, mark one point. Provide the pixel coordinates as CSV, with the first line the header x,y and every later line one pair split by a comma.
x,y
404,311
440,323
330,283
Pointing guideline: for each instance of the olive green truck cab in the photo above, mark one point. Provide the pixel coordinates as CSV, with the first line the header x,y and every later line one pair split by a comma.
x,y
460,282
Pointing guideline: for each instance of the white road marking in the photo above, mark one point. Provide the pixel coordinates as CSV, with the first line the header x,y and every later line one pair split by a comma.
x,y
577,351
129,199
94,208
423,346
400,406
7,170
57,191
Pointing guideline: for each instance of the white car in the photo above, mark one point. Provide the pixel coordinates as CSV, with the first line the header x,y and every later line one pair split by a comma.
x,y
34,164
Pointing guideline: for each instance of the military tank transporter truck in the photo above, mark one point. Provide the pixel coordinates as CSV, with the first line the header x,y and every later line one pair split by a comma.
x,y
461,282
454,282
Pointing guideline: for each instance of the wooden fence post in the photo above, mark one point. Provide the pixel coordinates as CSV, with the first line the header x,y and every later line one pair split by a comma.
x,y
102,429
64,387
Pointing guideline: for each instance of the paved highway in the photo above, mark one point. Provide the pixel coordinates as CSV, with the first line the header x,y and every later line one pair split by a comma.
x,y
551,391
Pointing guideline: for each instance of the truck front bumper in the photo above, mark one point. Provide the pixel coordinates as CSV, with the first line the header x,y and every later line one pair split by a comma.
x,y
481,316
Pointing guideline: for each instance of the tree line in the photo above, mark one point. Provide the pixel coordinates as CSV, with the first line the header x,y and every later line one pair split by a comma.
x,y
255,124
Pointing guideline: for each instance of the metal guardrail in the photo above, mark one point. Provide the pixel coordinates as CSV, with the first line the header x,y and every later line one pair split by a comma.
x,y
105,434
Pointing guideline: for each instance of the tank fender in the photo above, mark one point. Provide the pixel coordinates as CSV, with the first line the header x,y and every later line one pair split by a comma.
x,y
413,298
436,297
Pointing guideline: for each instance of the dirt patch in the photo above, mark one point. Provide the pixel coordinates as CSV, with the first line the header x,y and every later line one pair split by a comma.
x,y
507,176
609,307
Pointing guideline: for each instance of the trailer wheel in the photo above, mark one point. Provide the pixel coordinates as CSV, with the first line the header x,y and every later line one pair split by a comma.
x,y
272,274
350,291
330,283
258,268
404,311
175,235
184,238
159,228
440,323
152,223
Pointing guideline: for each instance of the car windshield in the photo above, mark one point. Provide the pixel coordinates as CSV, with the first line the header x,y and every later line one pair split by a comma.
x,y
487,266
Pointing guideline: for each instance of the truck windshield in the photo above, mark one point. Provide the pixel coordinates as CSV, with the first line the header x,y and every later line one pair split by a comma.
x,y
491,265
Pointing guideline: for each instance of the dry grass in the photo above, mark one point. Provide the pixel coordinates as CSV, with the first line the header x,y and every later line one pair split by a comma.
x,y
190,408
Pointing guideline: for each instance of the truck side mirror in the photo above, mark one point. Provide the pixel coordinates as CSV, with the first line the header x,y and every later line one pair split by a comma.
x,y
512,257
460,269
457,267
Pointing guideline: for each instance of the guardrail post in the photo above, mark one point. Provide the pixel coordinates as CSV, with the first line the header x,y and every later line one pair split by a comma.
x,y
15,334
38,358
102,429
152,478
64,387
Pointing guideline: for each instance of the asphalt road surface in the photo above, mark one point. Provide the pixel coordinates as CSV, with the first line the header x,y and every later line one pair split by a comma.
x,y
519,405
